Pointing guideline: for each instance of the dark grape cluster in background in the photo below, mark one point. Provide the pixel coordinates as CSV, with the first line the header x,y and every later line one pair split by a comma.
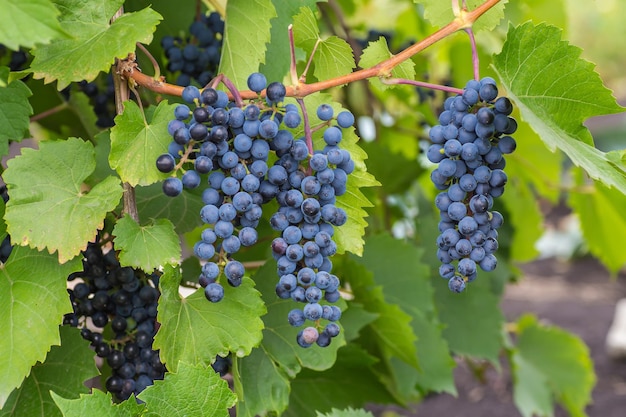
x,y
15,60
197,56
469,146
5,246
226,149
109,299
101,94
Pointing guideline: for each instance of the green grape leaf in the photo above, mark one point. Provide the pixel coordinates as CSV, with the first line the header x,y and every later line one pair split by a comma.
x,y
277,55
550,360
392,329
279,355
333,58
33,299
406,282
556,91
245,36
194,330
439,13
95,42
351,382
147,247
98,404
15,111
354,319
473,319
183,210
46,185
348,412
259,399
136,143
28,22
531,171
193,390
602,220
305,30
377,52
348,237
65,369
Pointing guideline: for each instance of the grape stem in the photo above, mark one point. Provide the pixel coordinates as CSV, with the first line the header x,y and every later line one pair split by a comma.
x,y
475,60
122,94
393,81
307,127
382,69
155,64
293,71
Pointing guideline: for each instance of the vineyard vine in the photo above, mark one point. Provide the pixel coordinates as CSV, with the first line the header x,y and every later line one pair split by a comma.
x,y
261,226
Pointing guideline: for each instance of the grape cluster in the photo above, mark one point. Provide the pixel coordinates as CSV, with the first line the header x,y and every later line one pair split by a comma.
x,y
232,146
101,94
196,57
124,301
469,146
306,219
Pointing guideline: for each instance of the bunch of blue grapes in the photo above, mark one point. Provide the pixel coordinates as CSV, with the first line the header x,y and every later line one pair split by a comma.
x,y
110,299
231,146
196,57
469,145
306,218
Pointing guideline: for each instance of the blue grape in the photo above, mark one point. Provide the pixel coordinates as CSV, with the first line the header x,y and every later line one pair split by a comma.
x,y
172,187
324,112
191,179
214,292
345,119
256,82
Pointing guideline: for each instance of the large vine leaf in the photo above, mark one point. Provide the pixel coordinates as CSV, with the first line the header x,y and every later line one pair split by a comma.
x,y
556,91
136,142
147,247
245,36
28,22
532,171
602,220
550,364
397,267
279,358
277,55
183,210
14,110
33,299
352,381
194,330
473,320
65,370
349,237
193,390
333,56
377,52
95,42
391,330
98,404
440,13
48,206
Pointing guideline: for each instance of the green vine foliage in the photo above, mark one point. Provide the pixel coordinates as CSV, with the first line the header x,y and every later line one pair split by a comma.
x,y
401,327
